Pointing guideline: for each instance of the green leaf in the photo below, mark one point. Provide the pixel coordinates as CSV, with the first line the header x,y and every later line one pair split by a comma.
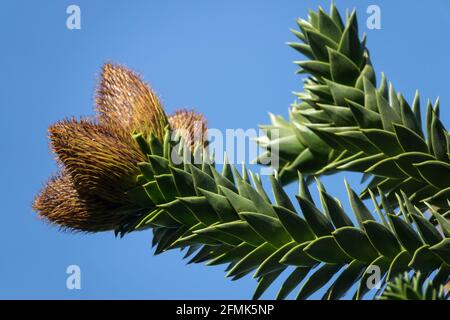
x,y
232,254
318,222
239,203
328,27
264,283
183,182
139,196
442,250
388,115
241,230
272,263
362,164
294,225
438,140
350,45
281,198
343,70
409,140
405,234
251,260
366,118
334,13
326,249
385,141
218,235
443,222
319,44
159,164
268,228
342,93
158,218
155,146
168,238
167,186
143,145
200,209
302,48
427,230
346,279
382,239
297,257
398,265
341,116
317,280
424,260
220,205
358,139
387,168
355,243
222,180
262,206
370,97
335,211
316,68
256,179
227,171
359,209
292,282
202,180
436,173
303,188
146,169
409,118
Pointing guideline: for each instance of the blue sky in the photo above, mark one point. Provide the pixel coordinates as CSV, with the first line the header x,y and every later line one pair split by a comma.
x,y
228,59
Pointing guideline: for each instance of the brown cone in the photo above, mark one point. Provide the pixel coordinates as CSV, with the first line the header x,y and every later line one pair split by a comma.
x,y
60,203
191,125
124,100
100,159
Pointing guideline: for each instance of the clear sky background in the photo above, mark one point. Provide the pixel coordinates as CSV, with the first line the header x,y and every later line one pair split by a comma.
x,y
228,59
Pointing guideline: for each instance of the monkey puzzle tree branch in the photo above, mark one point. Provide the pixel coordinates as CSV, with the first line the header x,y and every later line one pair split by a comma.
x,y
342,122
132,168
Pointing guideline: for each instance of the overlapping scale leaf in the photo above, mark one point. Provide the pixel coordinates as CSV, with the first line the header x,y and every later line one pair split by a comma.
x,y
228,218
342,121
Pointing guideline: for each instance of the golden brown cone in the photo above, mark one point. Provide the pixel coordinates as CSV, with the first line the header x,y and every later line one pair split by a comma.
x,y
60,203
191,125
124,100
101,160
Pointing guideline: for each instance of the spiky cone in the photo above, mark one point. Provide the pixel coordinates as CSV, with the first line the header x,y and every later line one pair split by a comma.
x,y
62,204
190,125
100,160
100,157
124,100
342,122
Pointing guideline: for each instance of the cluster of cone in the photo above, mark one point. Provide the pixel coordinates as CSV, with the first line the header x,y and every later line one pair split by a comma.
x,y
98,157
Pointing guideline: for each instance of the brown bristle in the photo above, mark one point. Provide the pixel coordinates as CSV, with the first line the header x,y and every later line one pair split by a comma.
x,y
60,203
191,125
124,100
99,158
